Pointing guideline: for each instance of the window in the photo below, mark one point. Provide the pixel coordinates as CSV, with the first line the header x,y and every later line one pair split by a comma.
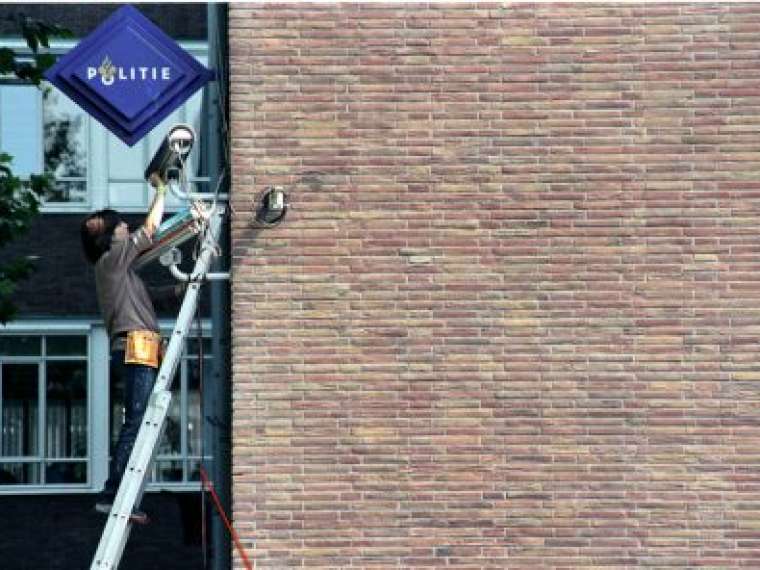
x,y
65,140
43,410
20,128
178,455
52,399
44,131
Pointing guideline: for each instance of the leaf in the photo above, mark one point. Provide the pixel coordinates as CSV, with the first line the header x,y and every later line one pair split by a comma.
x,y
17,269
7,60
44,61
31,39
19,201
42,35
7,309
40,183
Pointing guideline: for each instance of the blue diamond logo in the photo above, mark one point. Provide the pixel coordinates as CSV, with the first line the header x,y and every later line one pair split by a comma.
x,y
128,74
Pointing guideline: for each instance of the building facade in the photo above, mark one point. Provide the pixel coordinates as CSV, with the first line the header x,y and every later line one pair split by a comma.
x,y
511,318
59,409
508,321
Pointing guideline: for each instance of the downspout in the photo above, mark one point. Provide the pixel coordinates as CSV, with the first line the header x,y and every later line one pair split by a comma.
x,y
217,395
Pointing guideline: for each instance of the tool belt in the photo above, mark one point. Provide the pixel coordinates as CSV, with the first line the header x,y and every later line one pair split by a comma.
x,y
143,347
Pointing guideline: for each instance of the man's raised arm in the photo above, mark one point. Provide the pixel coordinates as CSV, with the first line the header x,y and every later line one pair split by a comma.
x,y
156,212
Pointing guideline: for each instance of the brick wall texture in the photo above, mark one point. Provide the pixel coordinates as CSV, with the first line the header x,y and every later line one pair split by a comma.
x,y
512,317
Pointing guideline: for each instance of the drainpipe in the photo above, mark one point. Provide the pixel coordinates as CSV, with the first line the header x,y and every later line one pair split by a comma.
x,y
217,395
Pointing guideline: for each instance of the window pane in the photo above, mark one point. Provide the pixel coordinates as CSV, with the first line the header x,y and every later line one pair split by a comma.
x,y
194,470
20,408
66,409
192,345
194,428
67,191
168,471
67,472
116,394
64,130
19,473
171,443
128,194
67,346
20,346
20,132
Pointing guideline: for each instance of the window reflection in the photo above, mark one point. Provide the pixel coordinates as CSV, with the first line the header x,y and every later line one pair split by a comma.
x,y
194,431
168,472
19,473
66,409
171,444
65,146
66,472
20,409
50,447
66,345
20,345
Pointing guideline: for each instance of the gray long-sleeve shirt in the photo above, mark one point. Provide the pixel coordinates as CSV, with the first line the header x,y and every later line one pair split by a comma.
x,y
123,298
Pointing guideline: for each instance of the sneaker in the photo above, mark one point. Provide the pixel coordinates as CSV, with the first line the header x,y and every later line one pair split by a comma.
x,y
104,502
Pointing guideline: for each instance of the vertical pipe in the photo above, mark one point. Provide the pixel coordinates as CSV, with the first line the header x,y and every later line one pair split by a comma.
x,y
217,396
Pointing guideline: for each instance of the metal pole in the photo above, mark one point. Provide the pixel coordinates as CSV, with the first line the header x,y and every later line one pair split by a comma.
x,y
217,397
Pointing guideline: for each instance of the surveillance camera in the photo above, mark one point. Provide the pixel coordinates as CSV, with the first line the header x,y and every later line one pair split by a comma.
x,y
172,152
272,207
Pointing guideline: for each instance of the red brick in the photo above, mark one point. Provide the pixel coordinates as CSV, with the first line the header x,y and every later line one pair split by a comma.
x,y
511,319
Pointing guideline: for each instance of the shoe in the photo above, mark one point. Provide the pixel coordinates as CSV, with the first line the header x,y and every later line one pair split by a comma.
x,y
104,502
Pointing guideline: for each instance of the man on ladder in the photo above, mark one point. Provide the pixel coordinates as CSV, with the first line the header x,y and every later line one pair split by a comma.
x,y
130,320
133,329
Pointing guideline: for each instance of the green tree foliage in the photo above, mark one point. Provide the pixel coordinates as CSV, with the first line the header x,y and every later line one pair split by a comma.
x,y
19,202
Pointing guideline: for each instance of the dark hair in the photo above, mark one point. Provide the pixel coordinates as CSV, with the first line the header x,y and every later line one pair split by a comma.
x,y
96,231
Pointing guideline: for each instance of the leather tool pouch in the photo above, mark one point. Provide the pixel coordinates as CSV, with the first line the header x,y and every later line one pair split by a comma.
x,y
143,347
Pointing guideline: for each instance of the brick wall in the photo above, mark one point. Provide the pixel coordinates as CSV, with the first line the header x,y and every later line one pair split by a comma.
x,y
512,318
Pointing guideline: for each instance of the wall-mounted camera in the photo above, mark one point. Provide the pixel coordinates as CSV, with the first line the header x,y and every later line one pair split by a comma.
x,y
171,155
272,207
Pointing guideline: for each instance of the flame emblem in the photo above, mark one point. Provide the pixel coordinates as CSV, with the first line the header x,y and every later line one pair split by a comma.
x,y
107,71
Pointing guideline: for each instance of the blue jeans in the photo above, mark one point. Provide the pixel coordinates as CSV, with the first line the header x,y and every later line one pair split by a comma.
x,y
138,386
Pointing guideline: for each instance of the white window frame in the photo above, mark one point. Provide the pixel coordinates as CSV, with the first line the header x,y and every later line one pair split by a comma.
x,y
97,136
98,394
52,328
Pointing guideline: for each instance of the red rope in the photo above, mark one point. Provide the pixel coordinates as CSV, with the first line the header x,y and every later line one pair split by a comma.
x,y
218,504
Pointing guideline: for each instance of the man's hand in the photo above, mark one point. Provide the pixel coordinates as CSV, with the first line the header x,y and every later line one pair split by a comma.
x,y
157,182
